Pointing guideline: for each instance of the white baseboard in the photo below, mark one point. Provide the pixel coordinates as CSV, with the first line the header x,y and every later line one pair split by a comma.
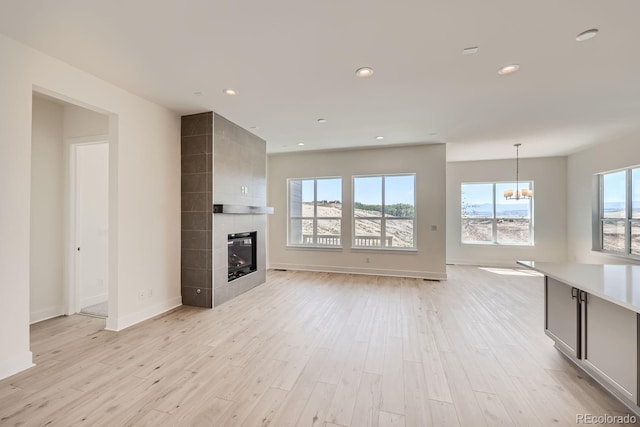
x,y
15,364
97,299
128,320
356,270
47,313
484,263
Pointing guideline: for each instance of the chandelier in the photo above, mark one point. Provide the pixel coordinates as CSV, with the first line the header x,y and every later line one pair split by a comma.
x,y
518,194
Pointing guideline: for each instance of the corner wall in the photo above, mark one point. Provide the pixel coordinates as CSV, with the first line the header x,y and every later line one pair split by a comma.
x,y
582,166
144,201
239,160
550,210
222,163
428,162
197,208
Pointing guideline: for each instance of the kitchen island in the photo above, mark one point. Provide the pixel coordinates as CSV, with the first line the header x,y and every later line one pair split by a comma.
x,y
592,314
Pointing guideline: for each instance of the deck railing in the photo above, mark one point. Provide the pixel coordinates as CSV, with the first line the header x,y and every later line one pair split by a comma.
x,y
369,241
334,240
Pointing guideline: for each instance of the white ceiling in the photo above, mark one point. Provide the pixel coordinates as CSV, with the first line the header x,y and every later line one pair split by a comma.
x,y
293,61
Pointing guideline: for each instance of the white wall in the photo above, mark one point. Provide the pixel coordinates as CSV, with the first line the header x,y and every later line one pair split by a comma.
x,y
550,210
47,211
144,194
427,161
614,154
80,122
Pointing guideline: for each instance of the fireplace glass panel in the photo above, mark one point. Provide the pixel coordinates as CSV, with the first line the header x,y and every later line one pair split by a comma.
x,y
242,254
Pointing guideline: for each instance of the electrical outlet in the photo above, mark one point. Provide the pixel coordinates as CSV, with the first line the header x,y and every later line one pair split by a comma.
x,y
141,294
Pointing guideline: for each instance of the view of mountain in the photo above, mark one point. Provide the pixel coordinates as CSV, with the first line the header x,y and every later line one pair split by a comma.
x,y
399,232
502,210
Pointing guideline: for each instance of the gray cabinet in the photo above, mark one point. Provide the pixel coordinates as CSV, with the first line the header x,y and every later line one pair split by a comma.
x,y
610,344
599,336
562,315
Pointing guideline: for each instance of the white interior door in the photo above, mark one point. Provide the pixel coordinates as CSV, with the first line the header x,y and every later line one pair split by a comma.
x,y
91,224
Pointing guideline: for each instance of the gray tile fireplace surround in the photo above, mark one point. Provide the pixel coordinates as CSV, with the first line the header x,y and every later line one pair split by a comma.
x,y
222,164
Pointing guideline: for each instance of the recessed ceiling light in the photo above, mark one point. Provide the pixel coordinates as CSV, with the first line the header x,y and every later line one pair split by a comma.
x,y
508,69
470,50
322,120
364,72
198,93
230,92
586,35
300,144
379,137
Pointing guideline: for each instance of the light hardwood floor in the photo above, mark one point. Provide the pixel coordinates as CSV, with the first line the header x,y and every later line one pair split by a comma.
x,y
314,349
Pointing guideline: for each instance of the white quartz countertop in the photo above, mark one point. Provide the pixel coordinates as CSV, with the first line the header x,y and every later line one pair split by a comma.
x,y
619,284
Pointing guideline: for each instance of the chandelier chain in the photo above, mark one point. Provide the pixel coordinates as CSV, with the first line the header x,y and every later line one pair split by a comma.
x,y
517,170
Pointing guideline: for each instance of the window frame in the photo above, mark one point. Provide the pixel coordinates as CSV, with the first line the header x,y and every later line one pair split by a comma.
x,y
598,216
494,219
383,217
315,216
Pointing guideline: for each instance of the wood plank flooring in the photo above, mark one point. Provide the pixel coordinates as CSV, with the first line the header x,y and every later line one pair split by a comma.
x,y
315,349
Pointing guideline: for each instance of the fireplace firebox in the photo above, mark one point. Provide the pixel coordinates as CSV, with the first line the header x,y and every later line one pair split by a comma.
x,y
242,254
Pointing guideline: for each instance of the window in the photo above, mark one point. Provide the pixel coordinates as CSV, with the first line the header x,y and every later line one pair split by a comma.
x,y
617,224
490,213
384,211
315,211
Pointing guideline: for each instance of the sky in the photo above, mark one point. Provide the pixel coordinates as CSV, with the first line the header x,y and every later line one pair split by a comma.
x,y
328,189
367,190
478,194
482,194
615,187
398,189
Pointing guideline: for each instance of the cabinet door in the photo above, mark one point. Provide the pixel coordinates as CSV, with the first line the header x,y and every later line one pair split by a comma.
x,y
562,316
611,344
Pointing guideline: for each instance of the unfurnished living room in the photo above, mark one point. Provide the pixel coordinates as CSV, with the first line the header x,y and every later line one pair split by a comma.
x,y
410,213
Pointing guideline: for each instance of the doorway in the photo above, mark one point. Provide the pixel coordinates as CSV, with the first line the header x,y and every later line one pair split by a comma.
x,y
59,128
90,227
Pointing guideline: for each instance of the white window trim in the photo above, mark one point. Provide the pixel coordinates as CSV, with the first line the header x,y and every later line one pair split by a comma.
x,y
382,218
495,218
315,217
